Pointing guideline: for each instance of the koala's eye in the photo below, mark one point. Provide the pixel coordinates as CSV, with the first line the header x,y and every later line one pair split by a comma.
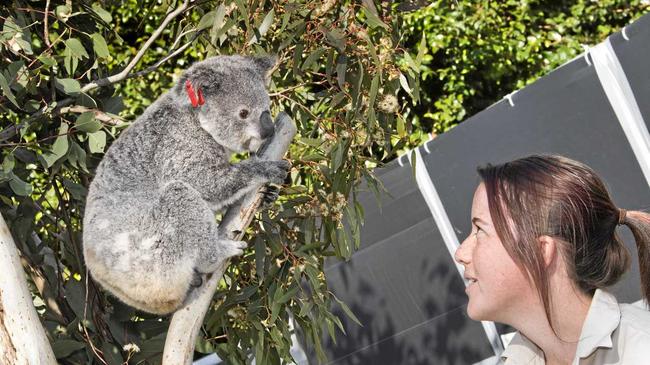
x,y
243,113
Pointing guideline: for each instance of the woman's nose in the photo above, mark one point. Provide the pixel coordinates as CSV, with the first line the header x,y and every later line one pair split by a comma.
x,y
463,254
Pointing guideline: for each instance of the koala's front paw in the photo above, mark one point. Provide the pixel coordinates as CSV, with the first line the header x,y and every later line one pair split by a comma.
x,y
276,171
232,248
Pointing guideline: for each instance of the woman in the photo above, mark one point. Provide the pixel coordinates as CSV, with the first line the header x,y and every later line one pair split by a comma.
x,y
543,247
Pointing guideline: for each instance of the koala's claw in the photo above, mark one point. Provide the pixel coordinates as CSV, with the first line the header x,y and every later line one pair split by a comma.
x,y
197,280
270,194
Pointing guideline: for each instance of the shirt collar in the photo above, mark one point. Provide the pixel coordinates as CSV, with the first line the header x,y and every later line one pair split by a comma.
x,y
602,319
522,351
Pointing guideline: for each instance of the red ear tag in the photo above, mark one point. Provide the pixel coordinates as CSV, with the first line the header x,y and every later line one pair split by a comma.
x,y
201,100
190,92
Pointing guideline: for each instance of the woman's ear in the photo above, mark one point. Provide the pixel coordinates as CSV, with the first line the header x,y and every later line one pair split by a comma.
x,y
548,247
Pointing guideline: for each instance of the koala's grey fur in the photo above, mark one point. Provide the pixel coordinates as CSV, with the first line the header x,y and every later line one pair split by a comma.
x,y
149,229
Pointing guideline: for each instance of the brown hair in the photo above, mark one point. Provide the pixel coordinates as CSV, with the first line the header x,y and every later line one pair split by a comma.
x,y
555,196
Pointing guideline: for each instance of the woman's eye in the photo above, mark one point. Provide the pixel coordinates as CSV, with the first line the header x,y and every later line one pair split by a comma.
x,y
243,113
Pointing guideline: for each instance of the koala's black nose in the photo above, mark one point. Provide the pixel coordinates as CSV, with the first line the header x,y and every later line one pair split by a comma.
x,y
267,128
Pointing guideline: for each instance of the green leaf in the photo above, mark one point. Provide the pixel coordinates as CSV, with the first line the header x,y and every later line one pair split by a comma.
x,y
347,311
373,20
6,91
73,52
337,153
68,86
76,48
47,60
19,37
401,127
313,57
65,348
59,148
337,39
77,191
8,163
266,23
99,45
422,50
97,141
288,295
63,12
260,254
341,69
207,20
259,348
88,123
20,187
105,15
404,83
409,61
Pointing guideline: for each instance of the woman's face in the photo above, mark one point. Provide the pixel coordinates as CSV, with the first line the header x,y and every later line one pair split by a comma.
x,y
497,288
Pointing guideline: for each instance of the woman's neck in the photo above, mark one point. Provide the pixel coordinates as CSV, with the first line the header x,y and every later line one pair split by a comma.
x,y
569,312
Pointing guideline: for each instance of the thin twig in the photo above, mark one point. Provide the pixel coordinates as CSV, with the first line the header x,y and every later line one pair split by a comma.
x,y
83,326
180,36
46,33
157,64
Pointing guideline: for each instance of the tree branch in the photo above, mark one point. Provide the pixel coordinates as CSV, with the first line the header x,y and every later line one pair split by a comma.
x,y
123,74
99,115
22,337
186,322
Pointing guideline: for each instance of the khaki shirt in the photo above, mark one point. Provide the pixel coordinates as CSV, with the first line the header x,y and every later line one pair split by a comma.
x,y
612,334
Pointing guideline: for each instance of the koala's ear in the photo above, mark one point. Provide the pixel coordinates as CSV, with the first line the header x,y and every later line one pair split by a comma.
x,y
200,79
265,65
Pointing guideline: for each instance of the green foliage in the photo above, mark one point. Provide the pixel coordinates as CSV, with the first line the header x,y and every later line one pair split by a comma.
x,y
337,77
479,51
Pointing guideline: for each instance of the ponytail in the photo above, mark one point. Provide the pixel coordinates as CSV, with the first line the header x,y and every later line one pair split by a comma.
x,y
639,224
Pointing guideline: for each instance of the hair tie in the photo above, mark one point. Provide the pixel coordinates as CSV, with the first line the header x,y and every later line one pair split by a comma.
x,y
622,213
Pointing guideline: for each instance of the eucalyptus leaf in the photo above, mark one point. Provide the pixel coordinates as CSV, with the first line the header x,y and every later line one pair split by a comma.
x,y
105,15
99,45
68,86
76,48
59,147
6,91
88,123
20,187
97,142
373,20
65,348
207,20
63,12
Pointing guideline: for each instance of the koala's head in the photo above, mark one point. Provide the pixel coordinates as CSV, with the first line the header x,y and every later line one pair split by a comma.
x,y
231,100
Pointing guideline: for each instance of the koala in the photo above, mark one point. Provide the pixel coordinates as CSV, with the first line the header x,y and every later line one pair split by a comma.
x,y
150,235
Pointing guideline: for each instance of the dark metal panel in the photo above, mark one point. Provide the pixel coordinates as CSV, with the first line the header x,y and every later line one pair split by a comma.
x,y
634,56
403,286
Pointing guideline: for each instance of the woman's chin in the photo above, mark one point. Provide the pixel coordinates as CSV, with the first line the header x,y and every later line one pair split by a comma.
x,y
475,313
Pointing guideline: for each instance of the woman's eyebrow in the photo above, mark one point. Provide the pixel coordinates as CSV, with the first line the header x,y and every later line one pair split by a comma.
x,y
476,220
